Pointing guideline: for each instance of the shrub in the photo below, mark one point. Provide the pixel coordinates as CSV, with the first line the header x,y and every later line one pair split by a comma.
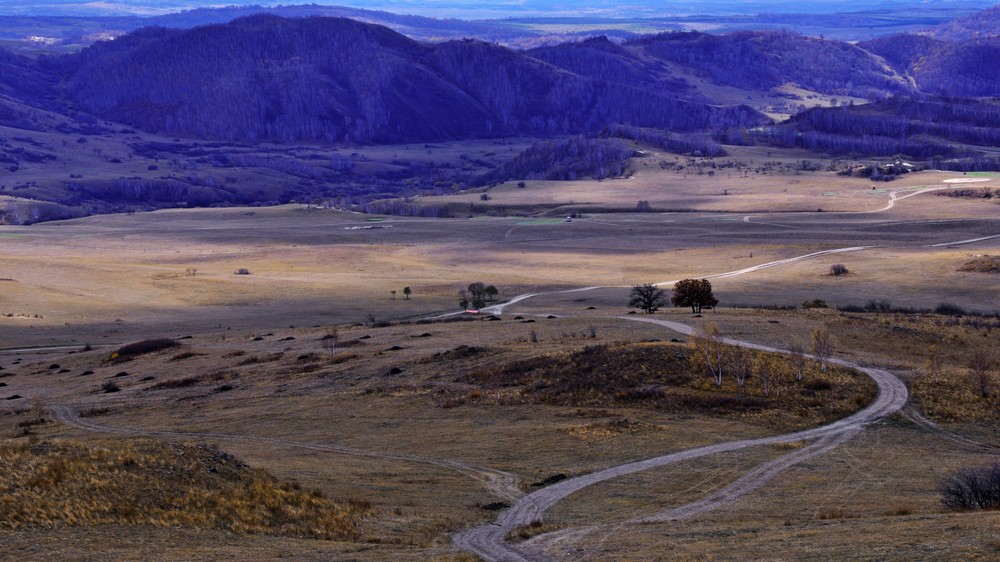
x,y
982,264
819,385
838,269
132,350
815,303
972,488
242,271
110,387
949,309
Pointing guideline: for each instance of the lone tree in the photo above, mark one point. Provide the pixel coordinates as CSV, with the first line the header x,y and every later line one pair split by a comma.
x,y
696,293
707,342
330,342
491,292
406,293
647,297
797,360
822,347
479,293
981,365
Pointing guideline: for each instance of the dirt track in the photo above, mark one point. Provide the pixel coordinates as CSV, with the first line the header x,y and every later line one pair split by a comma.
x,y
489,541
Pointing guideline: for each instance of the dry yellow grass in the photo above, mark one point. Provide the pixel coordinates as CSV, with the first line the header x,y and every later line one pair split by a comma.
x,y
257,376
54,483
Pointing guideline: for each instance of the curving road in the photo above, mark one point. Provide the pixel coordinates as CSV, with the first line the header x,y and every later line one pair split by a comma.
x,y
489,541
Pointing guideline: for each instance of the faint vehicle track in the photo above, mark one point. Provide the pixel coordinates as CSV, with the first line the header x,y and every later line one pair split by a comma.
x,y
499,308
490,541
502,484
912,414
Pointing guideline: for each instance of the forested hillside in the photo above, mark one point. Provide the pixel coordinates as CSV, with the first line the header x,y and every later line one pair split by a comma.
x,y
337,80
982,24
765,59
943,131
220,104
961,69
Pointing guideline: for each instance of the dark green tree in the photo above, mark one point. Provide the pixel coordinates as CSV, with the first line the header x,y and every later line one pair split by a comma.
x,y
478,293
648,298
696,293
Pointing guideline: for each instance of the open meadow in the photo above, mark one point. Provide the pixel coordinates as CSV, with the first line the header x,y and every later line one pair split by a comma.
x,y
288,398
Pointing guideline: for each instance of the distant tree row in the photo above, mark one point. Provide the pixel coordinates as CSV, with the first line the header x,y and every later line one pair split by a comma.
x,y
569,159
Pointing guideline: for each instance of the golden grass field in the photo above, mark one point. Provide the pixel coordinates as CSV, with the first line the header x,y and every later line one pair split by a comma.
x,y
368,426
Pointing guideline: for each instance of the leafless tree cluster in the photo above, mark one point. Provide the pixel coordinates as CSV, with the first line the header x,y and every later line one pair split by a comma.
x,y
719,359
972,488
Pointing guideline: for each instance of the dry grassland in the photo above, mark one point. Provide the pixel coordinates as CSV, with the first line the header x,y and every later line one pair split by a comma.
x,y
766,186
386,417
873,498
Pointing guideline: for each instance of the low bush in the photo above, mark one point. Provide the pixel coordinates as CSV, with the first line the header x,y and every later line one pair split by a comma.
x,y
982,264
949,309
132,350
972,488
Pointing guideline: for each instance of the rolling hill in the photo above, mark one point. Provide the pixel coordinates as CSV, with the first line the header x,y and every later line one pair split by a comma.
x,y
209,115
338,80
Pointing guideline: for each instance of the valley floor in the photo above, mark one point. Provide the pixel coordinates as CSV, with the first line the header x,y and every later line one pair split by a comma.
x,y
401,413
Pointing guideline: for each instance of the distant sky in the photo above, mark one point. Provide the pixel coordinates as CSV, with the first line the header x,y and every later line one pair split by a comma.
x,y
476,9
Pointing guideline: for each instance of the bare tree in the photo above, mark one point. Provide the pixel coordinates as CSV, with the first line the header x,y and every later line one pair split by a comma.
x,y
981,365
797,360
822,347
707,342
647,297
741,364
934,361
330,342
771,372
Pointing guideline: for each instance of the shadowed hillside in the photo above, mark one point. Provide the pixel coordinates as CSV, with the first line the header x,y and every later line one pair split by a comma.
x,y
338,80
765,59
964,69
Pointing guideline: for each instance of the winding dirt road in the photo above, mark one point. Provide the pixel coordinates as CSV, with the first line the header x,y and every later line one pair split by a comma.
x,y
489,541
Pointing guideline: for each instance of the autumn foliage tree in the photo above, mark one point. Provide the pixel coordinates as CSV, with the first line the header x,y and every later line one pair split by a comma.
x,y
696,293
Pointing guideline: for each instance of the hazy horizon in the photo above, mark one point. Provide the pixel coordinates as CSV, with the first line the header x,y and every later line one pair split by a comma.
x,y
478,9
